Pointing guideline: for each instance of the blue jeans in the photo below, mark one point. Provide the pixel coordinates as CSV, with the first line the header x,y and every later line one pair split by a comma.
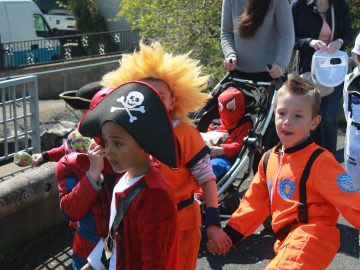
x,y
220,166
326,133
77,262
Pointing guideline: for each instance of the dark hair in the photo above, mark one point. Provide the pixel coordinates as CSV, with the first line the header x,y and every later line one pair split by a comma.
x,y
252,17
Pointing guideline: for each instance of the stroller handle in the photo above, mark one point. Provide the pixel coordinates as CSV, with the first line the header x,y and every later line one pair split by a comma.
x,y
259,78
250,81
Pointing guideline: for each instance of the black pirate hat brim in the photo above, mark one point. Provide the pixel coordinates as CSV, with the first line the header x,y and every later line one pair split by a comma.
x,y
75,102
147,119
80,99
354,85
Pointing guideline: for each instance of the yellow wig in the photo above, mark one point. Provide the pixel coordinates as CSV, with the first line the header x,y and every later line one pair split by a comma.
x,y
181,73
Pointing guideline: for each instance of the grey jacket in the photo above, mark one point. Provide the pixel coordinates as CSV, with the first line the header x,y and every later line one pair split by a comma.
x,y
272,43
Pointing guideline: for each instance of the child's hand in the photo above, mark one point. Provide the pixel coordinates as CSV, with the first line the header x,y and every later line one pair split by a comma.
x,y
216,151
37,160
87,267
96,155
218,240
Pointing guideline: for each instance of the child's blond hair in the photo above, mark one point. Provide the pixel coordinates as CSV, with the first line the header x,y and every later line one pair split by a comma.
x,y
180,72
296,85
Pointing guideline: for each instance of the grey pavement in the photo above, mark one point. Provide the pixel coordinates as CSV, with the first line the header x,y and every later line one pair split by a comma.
x,y
53,250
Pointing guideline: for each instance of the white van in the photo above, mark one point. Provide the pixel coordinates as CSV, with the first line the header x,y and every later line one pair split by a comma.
x,y
25,34
62,20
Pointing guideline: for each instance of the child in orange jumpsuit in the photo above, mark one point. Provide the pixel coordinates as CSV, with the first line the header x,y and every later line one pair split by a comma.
x,y
179,81
305,187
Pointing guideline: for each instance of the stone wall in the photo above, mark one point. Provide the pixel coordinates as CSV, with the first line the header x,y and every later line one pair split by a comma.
x,y
29,206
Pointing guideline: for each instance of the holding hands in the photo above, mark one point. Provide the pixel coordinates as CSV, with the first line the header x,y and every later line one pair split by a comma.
x,y
218,240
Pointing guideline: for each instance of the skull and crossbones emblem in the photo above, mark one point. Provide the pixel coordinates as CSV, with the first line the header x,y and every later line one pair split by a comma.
x,y
132,104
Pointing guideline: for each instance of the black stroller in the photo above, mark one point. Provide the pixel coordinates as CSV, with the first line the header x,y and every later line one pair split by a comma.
x,y
259,105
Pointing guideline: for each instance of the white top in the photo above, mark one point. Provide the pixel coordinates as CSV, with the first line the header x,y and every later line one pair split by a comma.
x,y
95,256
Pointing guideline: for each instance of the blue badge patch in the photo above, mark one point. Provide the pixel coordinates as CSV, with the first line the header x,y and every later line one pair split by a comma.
x,y
269,186
345,182
287,188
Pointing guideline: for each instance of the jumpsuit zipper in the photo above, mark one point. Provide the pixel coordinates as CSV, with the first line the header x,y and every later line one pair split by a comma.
x,y
277,174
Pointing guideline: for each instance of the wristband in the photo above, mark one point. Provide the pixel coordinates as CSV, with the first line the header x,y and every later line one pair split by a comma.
x,y
45,157
212,216
235,236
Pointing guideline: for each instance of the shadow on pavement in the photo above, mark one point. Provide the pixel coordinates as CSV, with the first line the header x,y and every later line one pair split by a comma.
x,y
257,251
349,240
52,251
256,248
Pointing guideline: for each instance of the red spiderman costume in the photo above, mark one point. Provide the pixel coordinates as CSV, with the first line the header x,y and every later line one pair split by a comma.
x,y
81,202
234,127
86,205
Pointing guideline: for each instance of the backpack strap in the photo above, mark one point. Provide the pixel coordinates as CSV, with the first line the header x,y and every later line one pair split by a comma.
x,y
266,160
120,213
303,209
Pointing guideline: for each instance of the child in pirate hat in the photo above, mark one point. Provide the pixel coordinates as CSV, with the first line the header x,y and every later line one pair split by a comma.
x,y
143,219
180,82
351,95
79,100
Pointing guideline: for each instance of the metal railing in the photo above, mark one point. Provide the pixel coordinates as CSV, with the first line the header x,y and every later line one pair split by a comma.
x,y
19,117
64,48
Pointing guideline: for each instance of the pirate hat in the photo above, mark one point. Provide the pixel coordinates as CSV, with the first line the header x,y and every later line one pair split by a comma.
x,y
80,99
354,85
138,108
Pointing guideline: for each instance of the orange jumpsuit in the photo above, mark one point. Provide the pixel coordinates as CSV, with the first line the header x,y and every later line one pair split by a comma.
x,y
191,149
329,190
